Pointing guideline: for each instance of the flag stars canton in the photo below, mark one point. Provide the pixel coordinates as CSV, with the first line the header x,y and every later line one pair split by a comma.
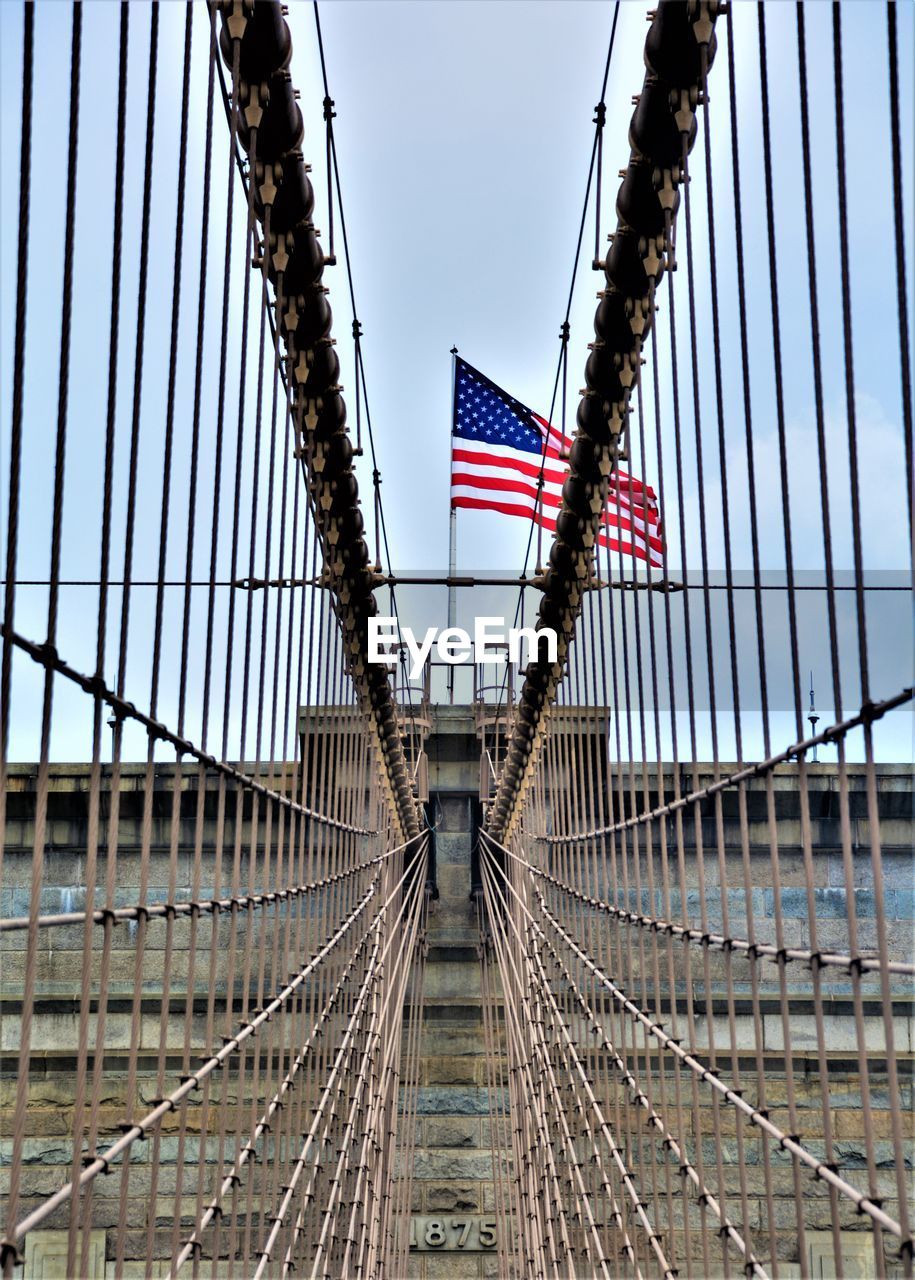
x,y
482,414
497,459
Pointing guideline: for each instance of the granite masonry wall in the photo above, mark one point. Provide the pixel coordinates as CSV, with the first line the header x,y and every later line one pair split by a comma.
x,y
458,1117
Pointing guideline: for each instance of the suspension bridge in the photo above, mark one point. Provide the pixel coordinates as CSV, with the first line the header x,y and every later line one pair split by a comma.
x,y
311,968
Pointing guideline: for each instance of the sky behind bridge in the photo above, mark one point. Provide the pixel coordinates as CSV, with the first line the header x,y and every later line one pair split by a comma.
x,y
464,133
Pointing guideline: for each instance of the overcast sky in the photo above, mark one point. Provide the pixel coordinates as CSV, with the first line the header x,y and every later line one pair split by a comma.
x,y
464,132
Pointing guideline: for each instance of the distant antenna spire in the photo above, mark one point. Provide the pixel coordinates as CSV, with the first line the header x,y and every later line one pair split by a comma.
x,y
813,718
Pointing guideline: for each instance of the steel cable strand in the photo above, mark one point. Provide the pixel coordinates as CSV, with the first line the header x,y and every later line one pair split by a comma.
x,y
624,1173
705,938
785,1141
95,779
573,1057
8,1244
357,326
379,957
393,993
15,441
640,1098
868,714
663,124
320,414
248,1152
524,1063
141,1128
905,372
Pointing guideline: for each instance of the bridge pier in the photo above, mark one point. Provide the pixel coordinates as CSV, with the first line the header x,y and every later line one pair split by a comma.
x,y
453,1176
452,1157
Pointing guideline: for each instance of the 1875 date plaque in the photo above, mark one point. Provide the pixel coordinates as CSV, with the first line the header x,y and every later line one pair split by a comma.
x,y
469,1232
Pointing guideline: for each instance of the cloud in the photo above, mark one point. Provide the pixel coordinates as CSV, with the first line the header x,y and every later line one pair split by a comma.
x,y
882,495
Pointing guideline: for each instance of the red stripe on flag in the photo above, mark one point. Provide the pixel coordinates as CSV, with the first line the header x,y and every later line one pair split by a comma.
x,y
632,505
638,546
470,474
612,518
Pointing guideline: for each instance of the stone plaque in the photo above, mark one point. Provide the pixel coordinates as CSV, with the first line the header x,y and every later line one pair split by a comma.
x,y
857,1255
46,1255
453,1232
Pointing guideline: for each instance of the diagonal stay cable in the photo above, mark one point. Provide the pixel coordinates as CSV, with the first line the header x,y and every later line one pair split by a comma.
x,y
150,1121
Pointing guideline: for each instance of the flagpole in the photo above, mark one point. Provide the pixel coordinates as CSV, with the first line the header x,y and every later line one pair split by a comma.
x,y
452,528
452,565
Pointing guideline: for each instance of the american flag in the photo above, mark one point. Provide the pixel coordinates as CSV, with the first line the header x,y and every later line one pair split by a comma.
x,y
497,451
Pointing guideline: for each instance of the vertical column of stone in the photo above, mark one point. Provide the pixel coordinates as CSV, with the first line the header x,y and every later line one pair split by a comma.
x,y
453,1173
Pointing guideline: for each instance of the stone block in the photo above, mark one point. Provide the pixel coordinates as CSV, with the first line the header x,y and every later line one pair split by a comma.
x,y
898,867
464,932
58,1032
455,814
442,1165
452,1196
453,882
56,1090
849,1123
830,903
901,903
841,1036
452,1266
456,775
452,849
847,1093
449,1069
721,1032
135,1243
452,1131
832,935
456,1101
502,1129
443,979
817,1216
136,1270
452,1039
49,1122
